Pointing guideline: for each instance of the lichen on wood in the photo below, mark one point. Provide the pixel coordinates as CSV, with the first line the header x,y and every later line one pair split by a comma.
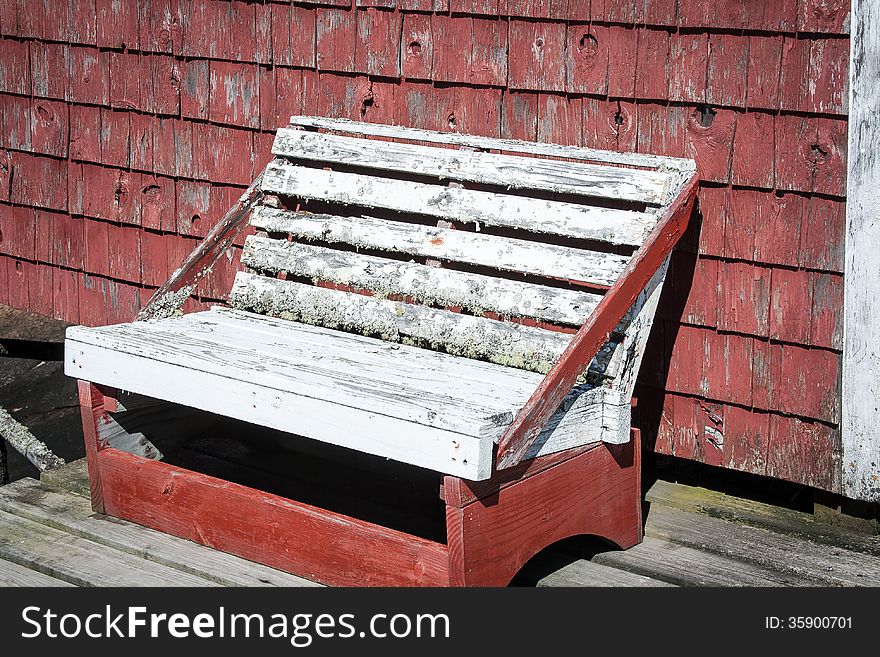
x,y
26,444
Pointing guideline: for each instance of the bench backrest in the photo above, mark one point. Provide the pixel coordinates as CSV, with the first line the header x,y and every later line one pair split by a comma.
x,y
485,248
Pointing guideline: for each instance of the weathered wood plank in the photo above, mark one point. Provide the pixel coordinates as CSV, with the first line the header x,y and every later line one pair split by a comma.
x,y
491,144
504,343
72,477
784,554
11,574
510,171
71,513
507,254
322,545
686,566
79,561
327,421
589,573
861,351
623,227
759,514
169,298
434,286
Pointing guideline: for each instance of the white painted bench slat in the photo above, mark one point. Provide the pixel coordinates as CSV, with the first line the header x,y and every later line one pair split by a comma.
x,y
625,227
511,171
435,286
502,253
634,160
504,343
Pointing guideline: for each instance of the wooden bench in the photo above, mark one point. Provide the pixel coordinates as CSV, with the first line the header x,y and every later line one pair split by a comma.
x,y
471,306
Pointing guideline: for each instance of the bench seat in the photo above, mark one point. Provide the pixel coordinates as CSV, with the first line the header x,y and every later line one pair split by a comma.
x,y
422,407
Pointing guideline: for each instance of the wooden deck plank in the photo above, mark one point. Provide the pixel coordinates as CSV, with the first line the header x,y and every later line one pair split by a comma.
x,y
624,227
79,561
686,566
435,286
11,574
501,253
72,514
759,514
784,554
519,172
589,573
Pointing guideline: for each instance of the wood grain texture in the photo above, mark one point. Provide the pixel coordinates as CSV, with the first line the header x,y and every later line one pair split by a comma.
x,y
861,353
266,528
592,493
12,574
687,566
509,171
457,204
71,513
596,268
489,143
793,560
79,561
433,286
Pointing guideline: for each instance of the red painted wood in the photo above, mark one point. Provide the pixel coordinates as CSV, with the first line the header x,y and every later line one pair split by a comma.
x,y
210,249
458,492
546,399
597,492
661,129
38,181
753,150
831,16
377,49
587,59
234,93
312,542
519,116
791,305
822,218
91,401
829,157
46,60
336,38
537,56
622,47
743,298
803,451
709,134
417,47
17,71
728,66
796,151
779,225
652,64
826,329
687,67
765,60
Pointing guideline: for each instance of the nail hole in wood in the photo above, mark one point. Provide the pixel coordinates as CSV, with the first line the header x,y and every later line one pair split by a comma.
x,y
704,116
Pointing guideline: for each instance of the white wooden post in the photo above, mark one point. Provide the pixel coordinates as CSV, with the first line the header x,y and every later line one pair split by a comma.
x,y
860,426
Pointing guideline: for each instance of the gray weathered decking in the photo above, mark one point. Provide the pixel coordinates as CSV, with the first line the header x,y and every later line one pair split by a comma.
x,y
694,537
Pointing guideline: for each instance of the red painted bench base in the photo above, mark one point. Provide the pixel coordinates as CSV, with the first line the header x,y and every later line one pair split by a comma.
x,y
493,527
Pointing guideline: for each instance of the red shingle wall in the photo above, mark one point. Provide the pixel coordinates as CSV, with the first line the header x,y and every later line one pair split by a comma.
x,y
128,127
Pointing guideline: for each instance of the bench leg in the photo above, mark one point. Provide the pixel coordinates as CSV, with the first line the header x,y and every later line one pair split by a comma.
x,y
596,492
94,403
